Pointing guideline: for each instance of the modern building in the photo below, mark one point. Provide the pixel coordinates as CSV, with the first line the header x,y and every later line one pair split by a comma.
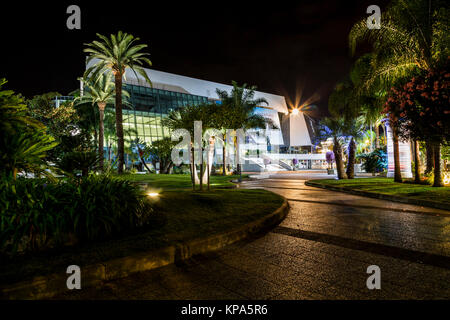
x,y
170,91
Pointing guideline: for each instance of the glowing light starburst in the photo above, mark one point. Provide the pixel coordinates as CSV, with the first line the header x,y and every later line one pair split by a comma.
x,y
299,105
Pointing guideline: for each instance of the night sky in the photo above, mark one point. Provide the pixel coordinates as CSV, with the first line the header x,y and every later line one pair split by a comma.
x,y
281,47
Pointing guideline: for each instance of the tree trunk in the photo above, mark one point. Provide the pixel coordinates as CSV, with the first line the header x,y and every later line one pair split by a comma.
x,y
141,153
437,166
201,169
119,125
338,158
224,173
430,157
351,159
145,165
95,138
416,162
377,136
101,109
109,151
209,159
167,166
397,171
192,166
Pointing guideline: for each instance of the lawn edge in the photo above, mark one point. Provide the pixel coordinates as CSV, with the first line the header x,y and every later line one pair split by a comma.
x,y
45,287
381,196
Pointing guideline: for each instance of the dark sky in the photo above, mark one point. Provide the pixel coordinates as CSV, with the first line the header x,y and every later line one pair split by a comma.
x,y
281,47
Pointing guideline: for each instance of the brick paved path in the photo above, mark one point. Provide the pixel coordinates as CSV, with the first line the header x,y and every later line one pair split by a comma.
x,y
321,251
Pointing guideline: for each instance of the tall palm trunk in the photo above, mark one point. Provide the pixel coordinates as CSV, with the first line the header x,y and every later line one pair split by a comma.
x,y
224,167
109,150
430,157
95,137
437,166
119,125
101,109
338,158
397,171
416,162
377,136
351,159
209,160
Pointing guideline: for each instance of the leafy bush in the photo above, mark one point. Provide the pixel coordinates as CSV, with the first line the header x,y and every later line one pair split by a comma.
x,y
79,161
36,213
375,161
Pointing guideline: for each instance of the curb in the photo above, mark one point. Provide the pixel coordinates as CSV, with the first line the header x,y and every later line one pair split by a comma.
x,y
423,203
45,287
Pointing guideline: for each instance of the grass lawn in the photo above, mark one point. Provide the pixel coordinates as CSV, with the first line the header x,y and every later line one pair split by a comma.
x,y
179,181
182,214
389,187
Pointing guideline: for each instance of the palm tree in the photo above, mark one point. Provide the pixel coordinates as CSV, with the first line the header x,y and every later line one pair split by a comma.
x,y
413,35
238,108
334,128
26,151
183,118
354,129
23,141
115,55
14,114
374,118
101,92
413,38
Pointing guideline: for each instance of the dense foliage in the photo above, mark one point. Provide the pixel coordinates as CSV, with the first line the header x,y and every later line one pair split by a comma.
x,y
37,213
375,161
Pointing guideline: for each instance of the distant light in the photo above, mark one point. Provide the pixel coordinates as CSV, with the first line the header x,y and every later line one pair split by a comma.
x,y
295,111
153,194
446,179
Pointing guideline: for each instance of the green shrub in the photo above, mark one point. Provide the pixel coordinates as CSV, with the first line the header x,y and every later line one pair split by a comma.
x,y
375,161
36,213
79,162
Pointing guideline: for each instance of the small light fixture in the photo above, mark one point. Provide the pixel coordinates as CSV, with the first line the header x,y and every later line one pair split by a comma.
x,y
295,111
153,194
446,178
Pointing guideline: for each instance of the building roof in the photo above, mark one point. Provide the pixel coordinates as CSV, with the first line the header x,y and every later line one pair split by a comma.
x,y
183,84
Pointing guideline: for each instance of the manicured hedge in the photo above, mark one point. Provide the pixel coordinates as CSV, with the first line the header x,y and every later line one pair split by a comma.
x,y
37,213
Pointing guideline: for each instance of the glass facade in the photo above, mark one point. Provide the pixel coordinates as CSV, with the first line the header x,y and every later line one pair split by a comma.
x,y
150,106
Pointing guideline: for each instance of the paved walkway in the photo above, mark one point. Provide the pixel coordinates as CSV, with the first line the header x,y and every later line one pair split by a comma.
x,y
321,251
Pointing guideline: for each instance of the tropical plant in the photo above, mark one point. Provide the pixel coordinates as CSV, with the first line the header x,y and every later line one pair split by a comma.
x,y
184,118
421,107
329,156
115,55
413,36
79,162
393,111
37,213
24,143
237,110
375,161
13,112
334,128
161,151
100,93
353,129
363,144
26,151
